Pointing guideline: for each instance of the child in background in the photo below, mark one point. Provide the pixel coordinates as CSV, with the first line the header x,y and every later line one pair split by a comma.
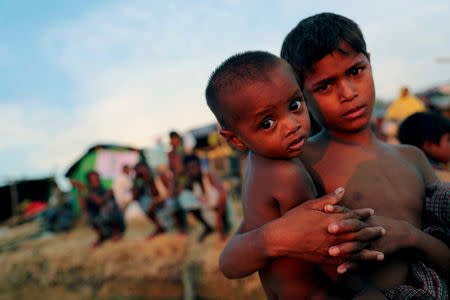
x,y
429,132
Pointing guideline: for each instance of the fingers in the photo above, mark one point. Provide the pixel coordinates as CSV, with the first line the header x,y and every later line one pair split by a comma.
x,y
346,225
362,213
366,234
364,255
346,266
333,198
330,208
345,249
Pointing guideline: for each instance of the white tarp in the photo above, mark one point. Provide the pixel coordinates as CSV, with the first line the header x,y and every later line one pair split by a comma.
x,y
109,163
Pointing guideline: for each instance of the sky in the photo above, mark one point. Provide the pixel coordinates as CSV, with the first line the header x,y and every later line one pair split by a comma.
x,y
75,73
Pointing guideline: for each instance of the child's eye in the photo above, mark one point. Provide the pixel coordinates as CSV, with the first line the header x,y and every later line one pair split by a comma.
x,y
323,87
266,124
295,105
356,71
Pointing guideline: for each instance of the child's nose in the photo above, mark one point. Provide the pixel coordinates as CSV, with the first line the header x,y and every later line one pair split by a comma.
x,y
347,90
291,125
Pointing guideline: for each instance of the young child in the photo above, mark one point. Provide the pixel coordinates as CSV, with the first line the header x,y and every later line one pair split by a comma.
x,y
329,55
102,211
429,132
207,187
257,101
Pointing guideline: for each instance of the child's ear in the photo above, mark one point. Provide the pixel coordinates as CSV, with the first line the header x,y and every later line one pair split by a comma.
x,y
233,139
429,147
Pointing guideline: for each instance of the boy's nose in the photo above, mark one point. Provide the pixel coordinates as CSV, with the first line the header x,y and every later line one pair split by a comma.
x,y
347,91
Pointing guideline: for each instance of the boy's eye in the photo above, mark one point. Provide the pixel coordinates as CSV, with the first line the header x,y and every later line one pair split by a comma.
x,y
266,124
356,71
323,87
294,105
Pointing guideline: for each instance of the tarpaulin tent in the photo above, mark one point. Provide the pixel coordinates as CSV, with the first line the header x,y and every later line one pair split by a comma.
x,y
107,160
16,193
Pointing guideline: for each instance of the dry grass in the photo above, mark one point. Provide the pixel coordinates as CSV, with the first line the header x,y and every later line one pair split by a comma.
x,y
62,266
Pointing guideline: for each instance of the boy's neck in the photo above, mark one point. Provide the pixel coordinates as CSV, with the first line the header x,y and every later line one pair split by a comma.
x,y
364,137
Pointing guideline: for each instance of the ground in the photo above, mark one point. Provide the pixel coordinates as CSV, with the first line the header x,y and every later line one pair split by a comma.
x,y
63,266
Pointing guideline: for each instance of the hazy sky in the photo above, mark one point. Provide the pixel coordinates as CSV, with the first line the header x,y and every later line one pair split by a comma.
x,y
76,73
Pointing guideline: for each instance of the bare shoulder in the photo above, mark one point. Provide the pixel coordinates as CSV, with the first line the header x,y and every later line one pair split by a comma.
x,y
280,171
286,181
417,158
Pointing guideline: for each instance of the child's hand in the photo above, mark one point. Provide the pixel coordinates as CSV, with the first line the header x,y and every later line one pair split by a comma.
x,y
363,234
313,233
398,235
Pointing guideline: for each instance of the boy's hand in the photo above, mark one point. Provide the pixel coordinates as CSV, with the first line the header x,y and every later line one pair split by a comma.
x,y
362,232
399,234
310,239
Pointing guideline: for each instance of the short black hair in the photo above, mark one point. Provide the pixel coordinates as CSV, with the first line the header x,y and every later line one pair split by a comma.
x,y
190,157
317,36
174,134
237,70
423,126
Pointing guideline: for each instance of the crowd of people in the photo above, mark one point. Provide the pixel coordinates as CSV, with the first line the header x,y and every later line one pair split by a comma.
x,y
167,196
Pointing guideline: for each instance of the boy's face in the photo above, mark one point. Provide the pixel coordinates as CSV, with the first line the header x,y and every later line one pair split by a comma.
x,y
340,90
268,117
94,180
175,141
439,152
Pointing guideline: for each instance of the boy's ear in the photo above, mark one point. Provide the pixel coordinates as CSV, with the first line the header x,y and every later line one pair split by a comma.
x,y
429,147
368,56
233,139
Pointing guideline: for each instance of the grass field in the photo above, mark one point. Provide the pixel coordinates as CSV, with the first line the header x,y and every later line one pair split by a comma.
x,y
62,266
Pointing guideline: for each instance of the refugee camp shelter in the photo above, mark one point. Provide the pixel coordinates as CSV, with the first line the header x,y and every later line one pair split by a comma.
x,y
107,160
18,193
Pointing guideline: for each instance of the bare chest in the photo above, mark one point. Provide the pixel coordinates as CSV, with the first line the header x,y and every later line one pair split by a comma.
x,y
387,183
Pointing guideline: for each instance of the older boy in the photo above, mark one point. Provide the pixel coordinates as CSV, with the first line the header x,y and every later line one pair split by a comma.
x,y
329,55
257,101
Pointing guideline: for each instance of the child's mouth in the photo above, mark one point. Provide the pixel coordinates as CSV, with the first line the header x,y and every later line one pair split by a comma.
x,y
355,112
297,144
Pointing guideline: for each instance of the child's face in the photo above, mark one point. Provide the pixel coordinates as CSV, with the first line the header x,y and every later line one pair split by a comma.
x,y
94,180
439,152
268,117
340,90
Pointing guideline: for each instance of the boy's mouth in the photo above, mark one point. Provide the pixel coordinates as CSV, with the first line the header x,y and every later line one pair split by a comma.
x,y
297,144
355,112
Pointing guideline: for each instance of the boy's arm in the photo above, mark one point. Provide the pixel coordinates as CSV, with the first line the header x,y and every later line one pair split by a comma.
x,y
301,233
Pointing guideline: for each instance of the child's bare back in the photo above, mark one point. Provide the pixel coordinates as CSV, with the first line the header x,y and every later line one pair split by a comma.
x,y
270,188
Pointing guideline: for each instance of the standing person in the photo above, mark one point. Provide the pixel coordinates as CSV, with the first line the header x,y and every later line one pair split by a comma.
x,y
329,55
151,192
401,108
207,188
404,106
176,155
102,211
122,188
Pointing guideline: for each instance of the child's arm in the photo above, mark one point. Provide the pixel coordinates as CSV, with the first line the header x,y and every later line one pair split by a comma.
x,y
301,233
